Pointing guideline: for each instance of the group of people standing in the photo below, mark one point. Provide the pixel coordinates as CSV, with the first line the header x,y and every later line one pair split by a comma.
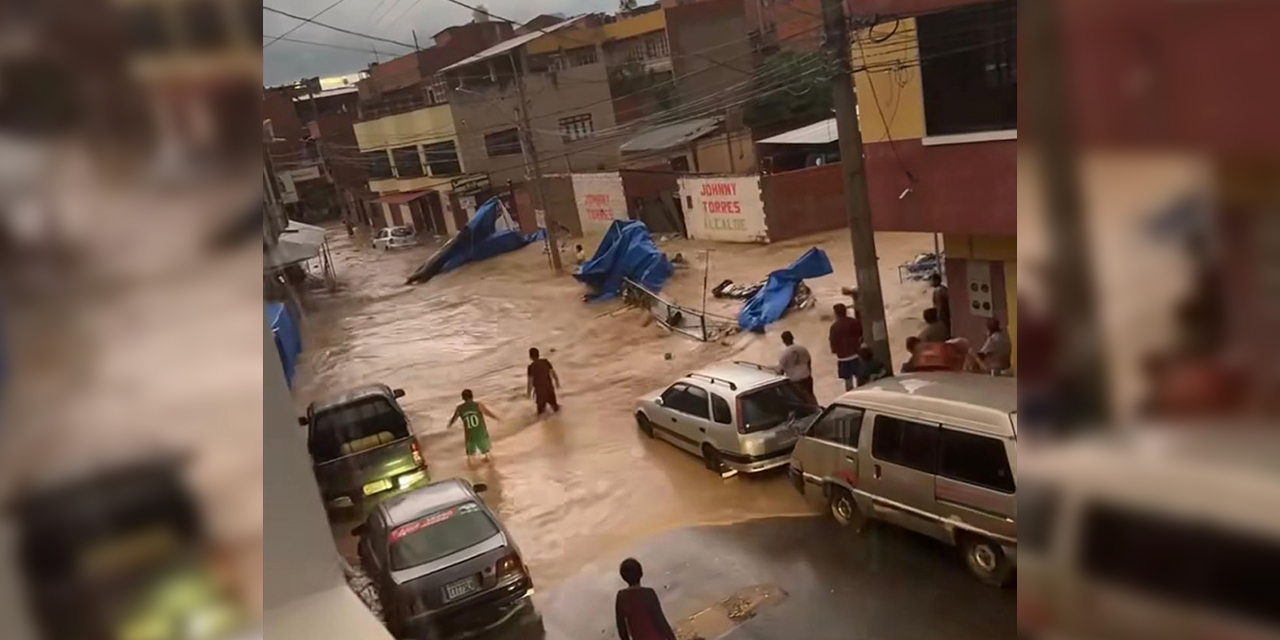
x,y
932,349
541,382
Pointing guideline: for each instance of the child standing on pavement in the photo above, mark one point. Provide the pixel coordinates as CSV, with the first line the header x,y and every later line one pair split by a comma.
x,y
639,613
472,414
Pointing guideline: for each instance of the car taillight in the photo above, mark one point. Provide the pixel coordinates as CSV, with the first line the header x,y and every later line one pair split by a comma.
x,y
417,454
510,566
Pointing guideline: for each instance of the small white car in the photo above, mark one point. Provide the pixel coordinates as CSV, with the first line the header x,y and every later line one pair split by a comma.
x,y
395,237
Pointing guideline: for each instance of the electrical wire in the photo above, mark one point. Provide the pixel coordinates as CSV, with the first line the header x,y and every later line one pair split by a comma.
x,y
319,44
333,28
304,22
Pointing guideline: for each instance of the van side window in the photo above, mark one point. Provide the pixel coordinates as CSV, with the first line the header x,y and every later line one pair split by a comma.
x,y
976,460
1183,561
910,444
839,425
720,410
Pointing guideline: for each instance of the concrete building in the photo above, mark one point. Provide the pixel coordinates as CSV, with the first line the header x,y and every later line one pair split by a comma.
x,y
313,148
567,83
407,138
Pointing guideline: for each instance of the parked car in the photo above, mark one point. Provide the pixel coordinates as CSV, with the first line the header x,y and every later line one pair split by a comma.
x,y
361,446
932,452
395,237
1175,531
738,415
443,564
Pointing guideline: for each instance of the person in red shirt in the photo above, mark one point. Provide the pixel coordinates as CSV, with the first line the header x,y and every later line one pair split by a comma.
x,y
542,382
846,339
639,612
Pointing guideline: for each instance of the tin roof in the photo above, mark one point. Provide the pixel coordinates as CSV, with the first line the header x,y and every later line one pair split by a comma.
x,y
670,136
816,133
510,45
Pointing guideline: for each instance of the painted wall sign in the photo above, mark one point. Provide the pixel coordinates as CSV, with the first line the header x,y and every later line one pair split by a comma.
x,y
725,209
600,200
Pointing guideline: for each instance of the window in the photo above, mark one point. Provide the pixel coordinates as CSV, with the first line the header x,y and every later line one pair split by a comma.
x,y
840,425
503,143
379,165
720,409
437,91
655,48
696,402
581,56
575,127
976,460
1185,562
408,163
686,399
438,535
347,423
772,406
910,444
969,68
442,159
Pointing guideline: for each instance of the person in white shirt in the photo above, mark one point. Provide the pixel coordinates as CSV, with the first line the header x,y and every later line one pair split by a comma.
x,y
796,364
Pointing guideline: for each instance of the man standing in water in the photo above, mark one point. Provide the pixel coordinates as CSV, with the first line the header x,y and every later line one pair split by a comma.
x,y
941,300
542,382
845,339
472,414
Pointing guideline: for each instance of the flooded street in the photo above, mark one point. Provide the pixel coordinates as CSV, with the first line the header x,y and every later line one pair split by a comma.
x,y
581,485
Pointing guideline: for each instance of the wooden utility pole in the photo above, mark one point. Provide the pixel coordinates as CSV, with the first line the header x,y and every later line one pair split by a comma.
x,y
526,129
857,203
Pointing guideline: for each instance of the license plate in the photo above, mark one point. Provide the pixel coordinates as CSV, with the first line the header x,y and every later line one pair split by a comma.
x,y
455,590
377,486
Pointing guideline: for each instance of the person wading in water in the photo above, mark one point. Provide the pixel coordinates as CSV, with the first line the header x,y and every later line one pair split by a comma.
x,y
542,382
472,414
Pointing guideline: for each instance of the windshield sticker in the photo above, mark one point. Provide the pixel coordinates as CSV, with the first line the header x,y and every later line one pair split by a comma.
x,y
433,519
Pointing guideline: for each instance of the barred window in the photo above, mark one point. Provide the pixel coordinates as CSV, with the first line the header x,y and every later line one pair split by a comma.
x,y
576,127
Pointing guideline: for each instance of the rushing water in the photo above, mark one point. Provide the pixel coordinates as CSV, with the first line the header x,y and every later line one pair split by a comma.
x,y
583,483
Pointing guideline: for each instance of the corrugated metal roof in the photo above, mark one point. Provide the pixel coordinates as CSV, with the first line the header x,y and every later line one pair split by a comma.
x,y
510,45
816,133
670,136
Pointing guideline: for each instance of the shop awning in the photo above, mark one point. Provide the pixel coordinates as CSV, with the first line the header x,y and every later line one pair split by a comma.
x,y
670,137
401,198
298,242
817,133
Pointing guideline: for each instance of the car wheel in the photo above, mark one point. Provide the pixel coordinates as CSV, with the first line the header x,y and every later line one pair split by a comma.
x,y
986,560
711,458
844,509
646,427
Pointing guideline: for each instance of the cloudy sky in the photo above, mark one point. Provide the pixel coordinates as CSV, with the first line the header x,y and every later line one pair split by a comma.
x,y
391,19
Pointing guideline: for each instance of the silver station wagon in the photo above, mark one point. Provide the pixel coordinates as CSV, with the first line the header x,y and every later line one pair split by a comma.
x,y
739,416
932,452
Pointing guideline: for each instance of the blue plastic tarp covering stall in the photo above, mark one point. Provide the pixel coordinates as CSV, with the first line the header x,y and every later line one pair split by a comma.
x,y
626,251
288,339
772,301
488,233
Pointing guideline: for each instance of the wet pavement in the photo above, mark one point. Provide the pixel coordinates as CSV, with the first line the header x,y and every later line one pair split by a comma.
x,y
581,485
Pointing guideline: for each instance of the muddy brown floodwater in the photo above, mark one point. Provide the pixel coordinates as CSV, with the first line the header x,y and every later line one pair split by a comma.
x,y
581,484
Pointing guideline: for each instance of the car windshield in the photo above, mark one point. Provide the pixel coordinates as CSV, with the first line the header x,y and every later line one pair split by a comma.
x,y
355,427
440,534
770,407
401,232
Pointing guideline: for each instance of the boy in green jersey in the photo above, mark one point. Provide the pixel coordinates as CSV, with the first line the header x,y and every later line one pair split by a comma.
x,y
472,414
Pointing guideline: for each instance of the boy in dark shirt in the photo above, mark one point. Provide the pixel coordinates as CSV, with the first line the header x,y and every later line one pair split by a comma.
x,y
638,610
542,382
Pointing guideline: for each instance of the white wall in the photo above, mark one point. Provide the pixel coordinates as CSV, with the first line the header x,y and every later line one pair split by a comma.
x,y
724,208
600,200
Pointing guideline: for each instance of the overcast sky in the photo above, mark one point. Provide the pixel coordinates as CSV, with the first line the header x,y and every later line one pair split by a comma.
x,y
391,19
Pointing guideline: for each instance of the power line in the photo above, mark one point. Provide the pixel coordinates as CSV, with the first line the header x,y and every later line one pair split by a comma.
x,y
319,44
338,29
304,23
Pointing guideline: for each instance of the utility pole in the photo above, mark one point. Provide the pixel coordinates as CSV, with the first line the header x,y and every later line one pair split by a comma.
x,y
857,204
526,128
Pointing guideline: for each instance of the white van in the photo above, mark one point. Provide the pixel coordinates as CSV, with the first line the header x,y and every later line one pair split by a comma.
x,y
931,452
1151,534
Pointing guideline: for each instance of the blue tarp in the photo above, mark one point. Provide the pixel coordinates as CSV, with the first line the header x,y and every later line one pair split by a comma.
x,y
479,240
288,340
626,251
772,301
